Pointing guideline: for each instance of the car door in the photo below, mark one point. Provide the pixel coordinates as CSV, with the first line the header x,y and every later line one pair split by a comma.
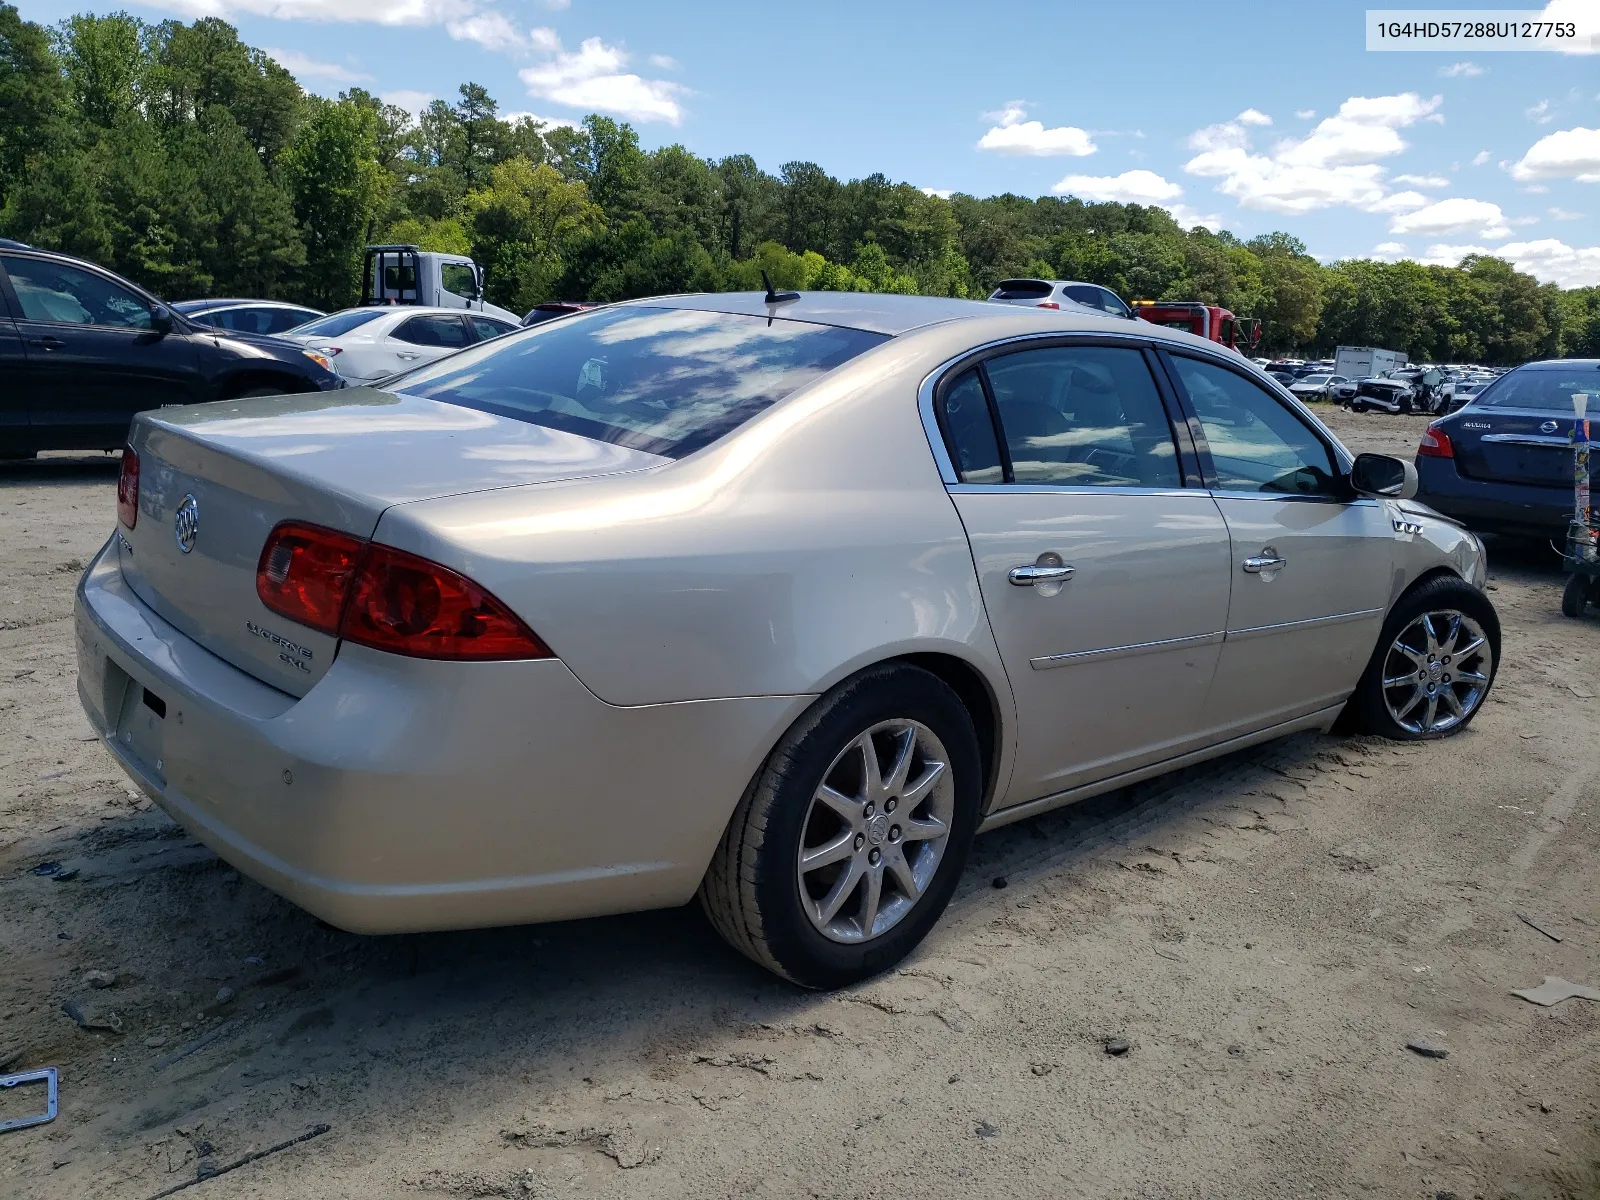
x,y
95,357
15,437
1312,562
1105,578
424,338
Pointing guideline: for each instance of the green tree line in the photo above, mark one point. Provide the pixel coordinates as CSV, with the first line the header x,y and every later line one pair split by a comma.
x,y
196,165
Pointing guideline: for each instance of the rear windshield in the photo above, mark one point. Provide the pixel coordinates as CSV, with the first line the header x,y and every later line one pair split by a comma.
x,y
663,380
334,324
1548,389
1021,289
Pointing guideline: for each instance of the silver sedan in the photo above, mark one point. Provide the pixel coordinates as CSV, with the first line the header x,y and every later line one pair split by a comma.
x,y
774,604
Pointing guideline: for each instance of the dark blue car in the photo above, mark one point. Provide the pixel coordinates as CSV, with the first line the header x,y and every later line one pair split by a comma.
x,y
82,350
1503,464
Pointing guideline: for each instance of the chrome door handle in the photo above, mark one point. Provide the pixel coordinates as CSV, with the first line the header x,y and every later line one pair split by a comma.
x,y
1032,573
1270,561
407,357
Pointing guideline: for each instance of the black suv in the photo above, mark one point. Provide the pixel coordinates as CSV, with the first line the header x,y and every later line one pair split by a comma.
x,y
82,350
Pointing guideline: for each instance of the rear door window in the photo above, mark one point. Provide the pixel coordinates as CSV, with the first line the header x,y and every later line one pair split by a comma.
x,y
1084,416
484,328
434,331
59,294
664,380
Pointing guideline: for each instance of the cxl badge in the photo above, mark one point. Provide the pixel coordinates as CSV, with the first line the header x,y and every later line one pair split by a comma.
x,y
186,523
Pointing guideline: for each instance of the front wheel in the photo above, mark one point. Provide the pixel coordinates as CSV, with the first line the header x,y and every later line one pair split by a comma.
x,y
1434,664
1357,406
849,842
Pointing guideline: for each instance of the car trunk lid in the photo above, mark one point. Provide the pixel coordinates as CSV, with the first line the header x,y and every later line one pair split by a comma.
x,y
1516,446
332,459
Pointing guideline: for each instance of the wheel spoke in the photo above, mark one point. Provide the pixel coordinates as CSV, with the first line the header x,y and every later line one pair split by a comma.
x,y
1462,651
1473,677
1401,680
1417,694
1428,632
1454,701
918,792
904,877
869,901
828,907
1448,644
1433,711
902,763
871,771
828,853
923,829
1417,656
847,808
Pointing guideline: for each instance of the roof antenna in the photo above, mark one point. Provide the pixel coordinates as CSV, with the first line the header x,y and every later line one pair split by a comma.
x,y
777,297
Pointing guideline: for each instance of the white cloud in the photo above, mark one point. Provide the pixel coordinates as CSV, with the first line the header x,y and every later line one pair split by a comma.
x,y
1481,157
511,118
1188,217
1252,116
1539,114
1131,187
464,20
1461,70
594,77
1562,214
1427,181
1548,260
663,62
1014,134
1332,165
1456,215
942,193
495,31
1306,114
1399,202
1568,154
304,67
412,102
1389,251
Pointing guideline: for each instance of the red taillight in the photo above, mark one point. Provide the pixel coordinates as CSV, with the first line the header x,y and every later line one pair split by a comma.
x,y
1047,304
386,598
1435,444
408,605
128,489
305,571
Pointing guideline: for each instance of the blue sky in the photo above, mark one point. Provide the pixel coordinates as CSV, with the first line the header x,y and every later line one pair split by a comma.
x,y
1272,116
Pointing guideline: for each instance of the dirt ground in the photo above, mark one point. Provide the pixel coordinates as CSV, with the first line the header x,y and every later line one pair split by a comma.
x,y
1267,932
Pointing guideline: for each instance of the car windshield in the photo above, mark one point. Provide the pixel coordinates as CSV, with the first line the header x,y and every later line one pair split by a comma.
x,y
1545,389
663,380
334,324
1316,379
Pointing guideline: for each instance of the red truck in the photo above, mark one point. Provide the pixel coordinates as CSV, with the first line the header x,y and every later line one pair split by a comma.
x,y
1209,321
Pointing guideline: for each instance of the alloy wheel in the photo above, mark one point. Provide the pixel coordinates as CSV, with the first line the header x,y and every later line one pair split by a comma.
x,y
1437,672
876,830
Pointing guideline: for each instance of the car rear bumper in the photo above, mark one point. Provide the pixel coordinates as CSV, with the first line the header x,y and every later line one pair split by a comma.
x,y
405,795
1489,505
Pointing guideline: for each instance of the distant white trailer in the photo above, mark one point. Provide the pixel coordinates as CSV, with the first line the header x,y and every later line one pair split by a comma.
x,y
1364,362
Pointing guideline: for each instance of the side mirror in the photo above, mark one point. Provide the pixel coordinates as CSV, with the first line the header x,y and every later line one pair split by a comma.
x,y
160,321
1381,475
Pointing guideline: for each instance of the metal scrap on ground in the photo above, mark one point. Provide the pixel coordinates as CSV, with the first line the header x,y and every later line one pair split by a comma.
x,y
1555,989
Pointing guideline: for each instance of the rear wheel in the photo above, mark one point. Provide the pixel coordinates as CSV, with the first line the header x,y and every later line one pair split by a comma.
x,y
1357,406
849,842
1575,596
1434,663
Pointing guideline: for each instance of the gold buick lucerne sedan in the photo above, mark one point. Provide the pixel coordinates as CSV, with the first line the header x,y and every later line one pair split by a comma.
x,y
776,600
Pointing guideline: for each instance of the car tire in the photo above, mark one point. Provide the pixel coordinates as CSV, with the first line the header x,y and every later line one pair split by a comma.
x,y
1357,406
1427,645
1575,596
259,390
814,793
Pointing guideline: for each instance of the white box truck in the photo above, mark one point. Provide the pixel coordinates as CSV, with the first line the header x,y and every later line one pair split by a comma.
x,y
1364,362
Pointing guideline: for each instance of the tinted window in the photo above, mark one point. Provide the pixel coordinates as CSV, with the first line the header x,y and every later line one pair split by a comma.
x,y
1084,415
458,278
666,381
281,320
1257,445
1544,389
970,432
433,331
1096,297
487,327
540,315
334,324
63,295
1021,289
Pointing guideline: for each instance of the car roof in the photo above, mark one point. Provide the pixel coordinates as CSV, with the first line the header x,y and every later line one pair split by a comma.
x,y
872,312
190,306
1559,364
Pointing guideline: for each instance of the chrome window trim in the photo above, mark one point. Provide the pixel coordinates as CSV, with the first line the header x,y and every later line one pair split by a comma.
x,y
1046,662
1239,635
930,385
1224,494
1065,489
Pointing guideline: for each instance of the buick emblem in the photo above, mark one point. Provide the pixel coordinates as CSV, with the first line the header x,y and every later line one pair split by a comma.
x,y
1549,427
877,829
186,523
